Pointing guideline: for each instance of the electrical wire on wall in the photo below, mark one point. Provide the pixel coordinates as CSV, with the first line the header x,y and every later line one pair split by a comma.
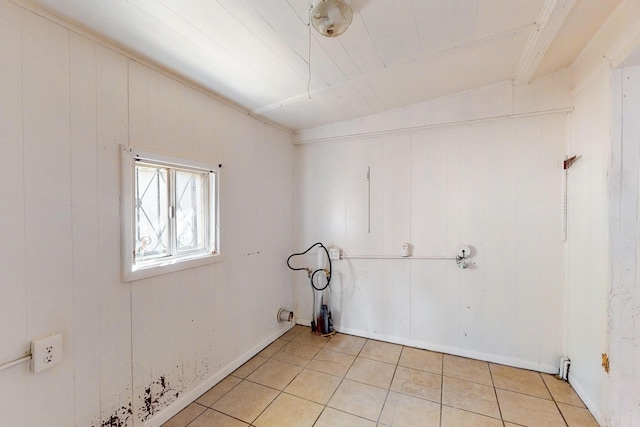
x,y
309,30
324,325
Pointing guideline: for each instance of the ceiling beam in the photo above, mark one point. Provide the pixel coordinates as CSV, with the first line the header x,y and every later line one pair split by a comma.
x,y
553,15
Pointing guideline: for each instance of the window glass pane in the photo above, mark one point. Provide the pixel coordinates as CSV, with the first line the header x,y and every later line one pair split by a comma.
x,y
151,212
190,211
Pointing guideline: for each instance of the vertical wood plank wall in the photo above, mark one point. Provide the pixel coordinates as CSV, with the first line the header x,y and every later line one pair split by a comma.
x,y
13,304
624,327
66,105
588,251
495,186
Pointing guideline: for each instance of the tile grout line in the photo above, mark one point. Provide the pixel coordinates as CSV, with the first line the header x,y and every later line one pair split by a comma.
x,y
495,393
441,388
280,392
341,380
246,380
389,388
199,415
553,398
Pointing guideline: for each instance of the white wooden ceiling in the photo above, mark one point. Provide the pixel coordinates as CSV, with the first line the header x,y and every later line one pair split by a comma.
x,y
396,53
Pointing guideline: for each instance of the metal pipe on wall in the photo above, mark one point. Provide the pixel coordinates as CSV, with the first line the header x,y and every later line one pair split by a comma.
x,y
15,362
394,257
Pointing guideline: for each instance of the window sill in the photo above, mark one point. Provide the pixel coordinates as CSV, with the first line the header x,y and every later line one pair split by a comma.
x,y
146,272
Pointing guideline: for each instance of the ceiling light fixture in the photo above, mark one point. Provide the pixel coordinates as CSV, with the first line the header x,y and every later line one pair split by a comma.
x,y
331,17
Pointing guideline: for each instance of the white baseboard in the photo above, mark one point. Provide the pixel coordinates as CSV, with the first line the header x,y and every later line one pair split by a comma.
x,y
189,397
589,403
510,361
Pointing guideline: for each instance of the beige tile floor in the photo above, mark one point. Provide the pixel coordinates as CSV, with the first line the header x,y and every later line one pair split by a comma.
x,y
305,380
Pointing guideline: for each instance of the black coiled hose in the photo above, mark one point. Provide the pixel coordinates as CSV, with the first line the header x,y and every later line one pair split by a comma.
x,y
312,273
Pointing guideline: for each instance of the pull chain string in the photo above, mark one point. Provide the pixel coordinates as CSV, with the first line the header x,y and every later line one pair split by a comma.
x,y
309,62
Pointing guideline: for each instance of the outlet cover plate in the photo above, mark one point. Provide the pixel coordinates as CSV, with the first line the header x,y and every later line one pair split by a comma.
x,y
46,352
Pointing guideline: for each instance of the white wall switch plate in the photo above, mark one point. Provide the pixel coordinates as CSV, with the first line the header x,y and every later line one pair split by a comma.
x,y
46,352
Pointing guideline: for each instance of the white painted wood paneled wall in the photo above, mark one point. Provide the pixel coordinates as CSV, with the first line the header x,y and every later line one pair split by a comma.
x,y
37,223
588,256
624,328
66,103
495,186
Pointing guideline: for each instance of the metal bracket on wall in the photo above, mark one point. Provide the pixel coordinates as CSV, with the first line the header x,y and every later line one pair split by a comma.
x,y
569,161
565,166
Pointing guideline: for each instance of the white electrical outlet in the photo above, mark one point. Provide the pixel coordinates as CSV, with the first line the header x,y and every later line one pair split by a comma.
x,y
334,253
46,352
406,249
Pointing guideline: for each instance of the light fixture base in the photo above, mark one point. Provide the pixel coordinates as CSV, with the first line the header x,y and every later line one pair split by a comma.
x,y
331,18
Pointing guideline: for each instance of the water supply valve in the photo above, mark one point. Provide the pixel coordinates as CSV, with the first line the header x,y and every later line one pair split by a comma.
x,y
462,252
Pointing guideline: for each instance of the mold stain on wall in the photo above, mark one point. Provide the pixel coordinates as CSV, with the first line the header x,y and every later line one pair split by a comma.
x,y
120,418
157,396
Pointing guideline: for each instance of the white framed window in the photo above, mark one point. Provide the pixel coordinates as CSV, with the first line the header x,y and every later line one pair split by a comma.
x,y
170,214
